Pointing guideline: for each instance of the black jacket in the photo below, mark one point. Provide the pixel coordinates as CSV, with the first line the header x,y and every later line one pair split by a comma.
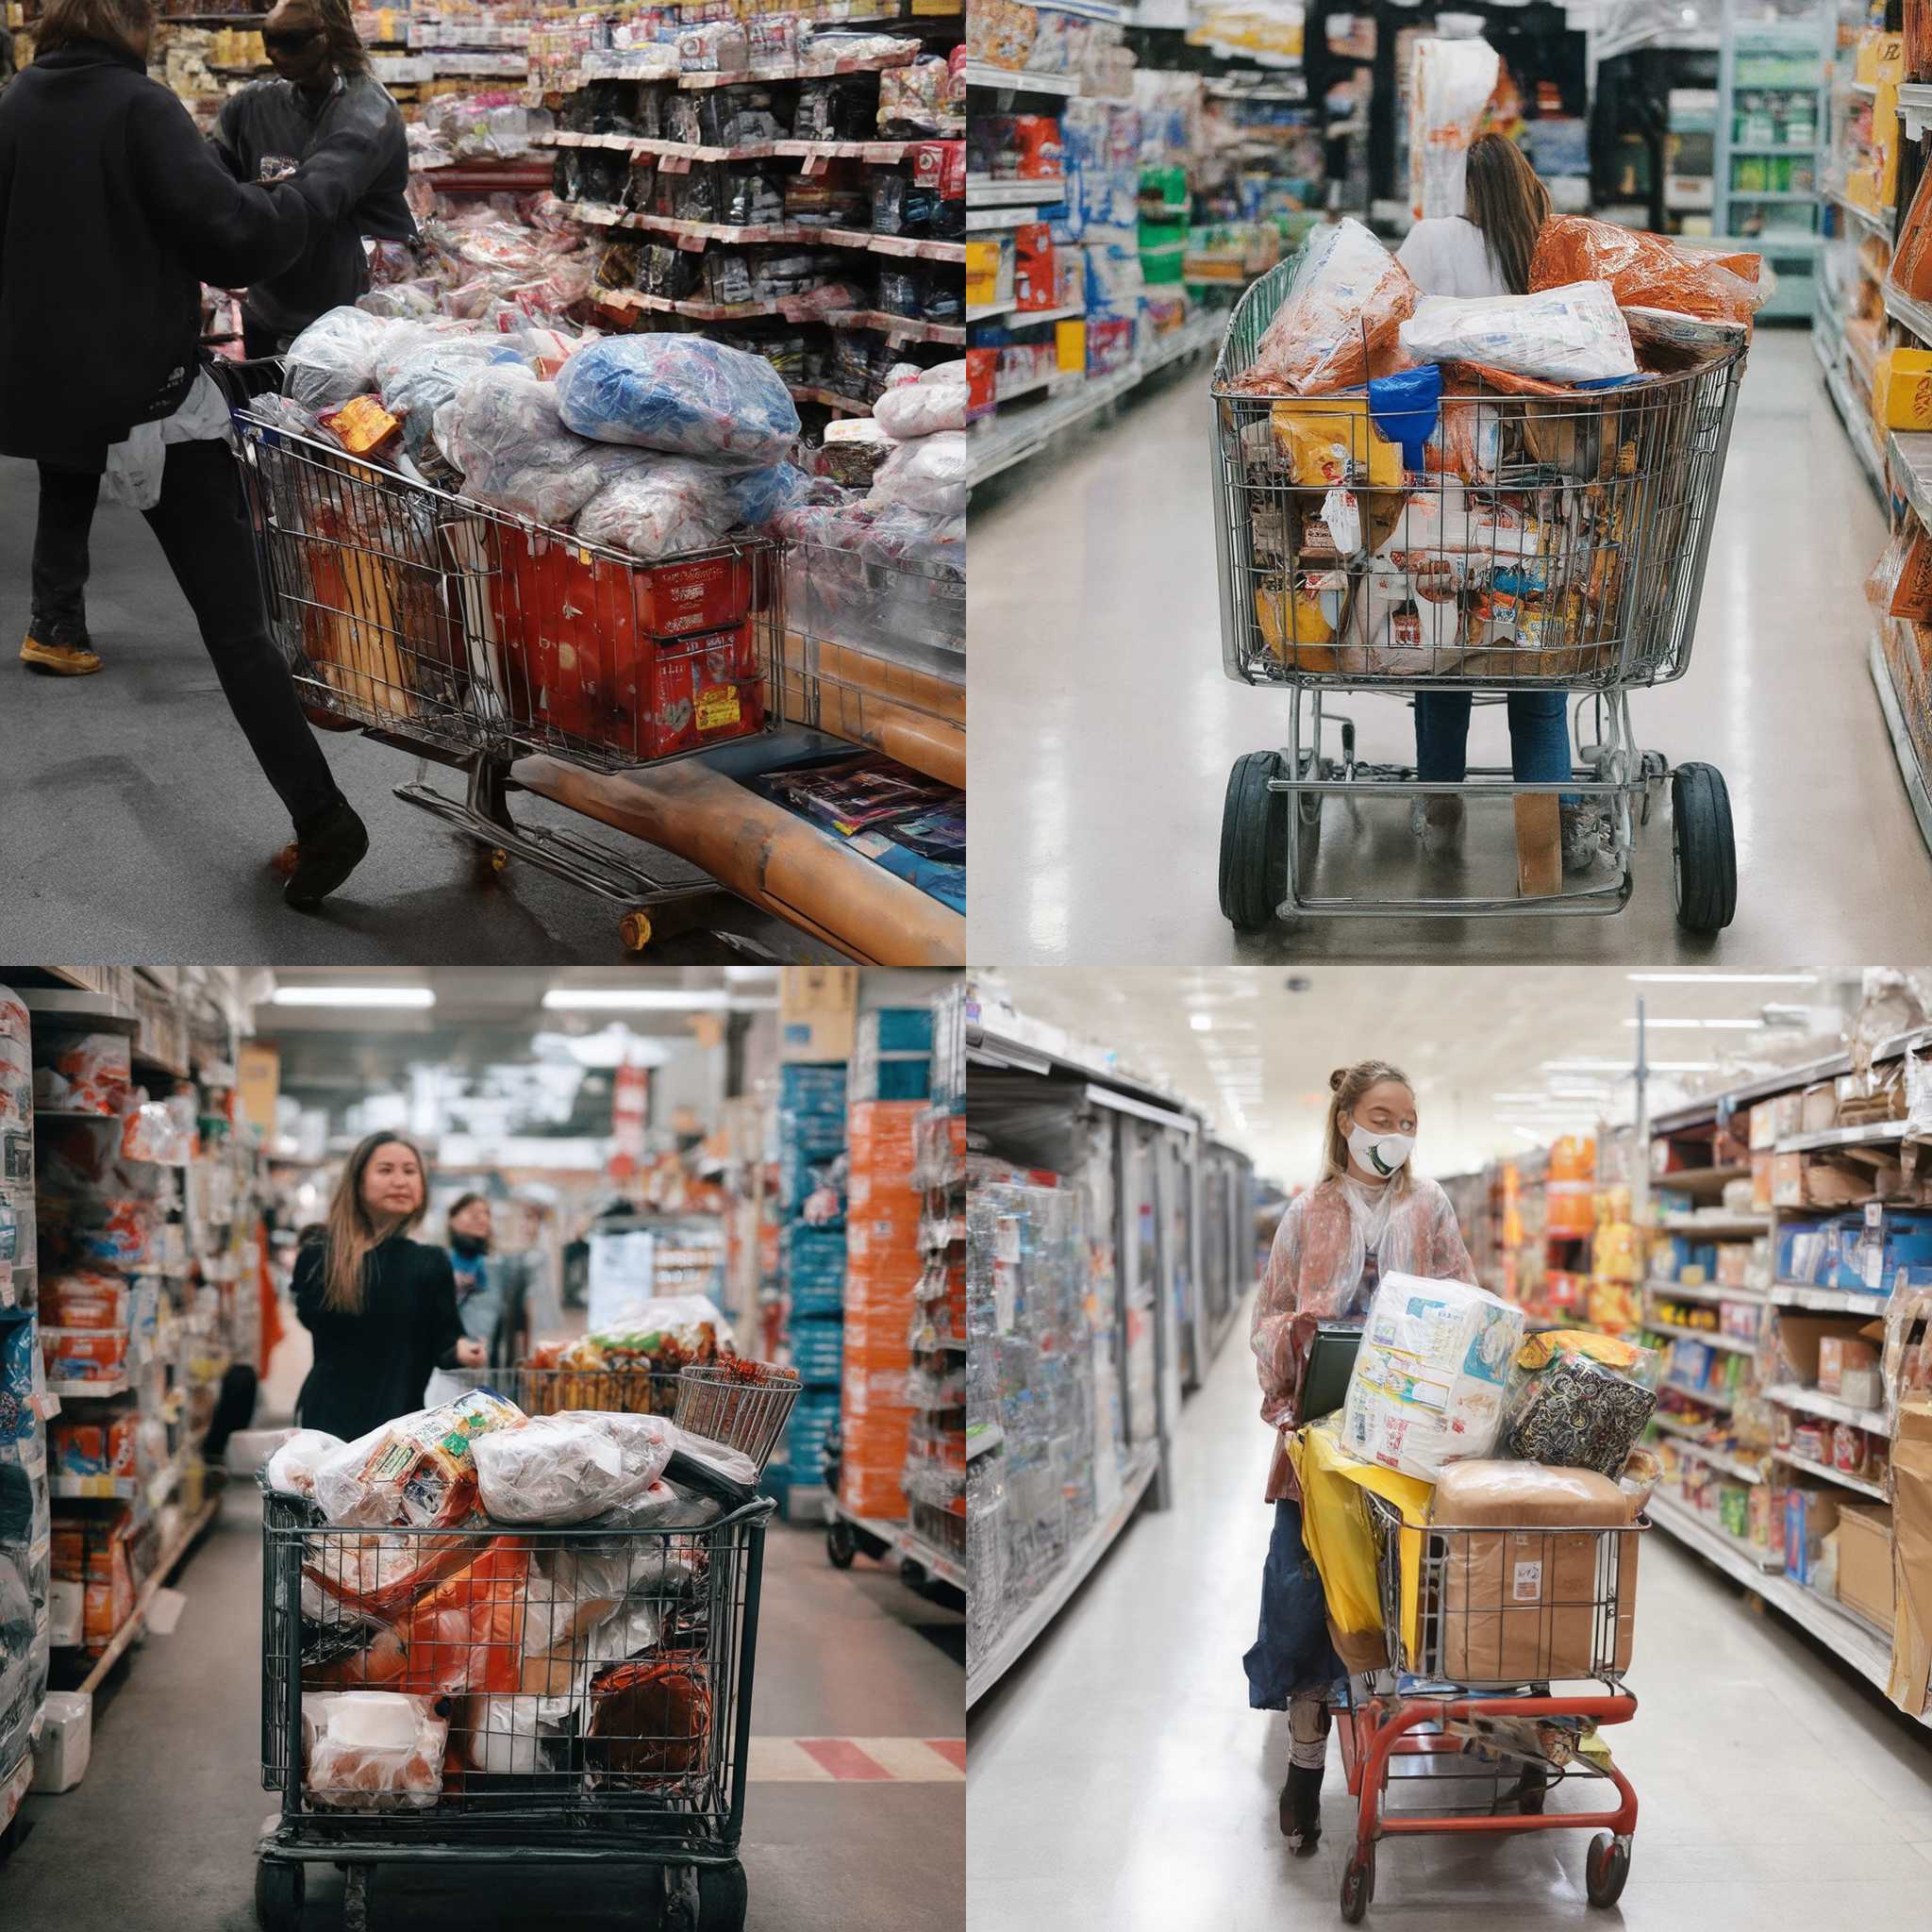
x,y
372,1367
113,211
355,160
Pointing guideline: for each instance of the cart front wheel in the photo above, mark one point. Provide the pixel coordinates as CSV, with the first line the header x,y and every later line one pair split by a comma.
x,y
1254,843
1605,1870
840,1544
1357,1886
722,1897
277,1895
1703,852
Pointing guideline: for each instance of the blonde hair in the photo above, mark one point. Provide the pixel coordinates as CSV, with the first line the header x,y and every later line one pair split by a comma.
x,y
349,1236
1346,1087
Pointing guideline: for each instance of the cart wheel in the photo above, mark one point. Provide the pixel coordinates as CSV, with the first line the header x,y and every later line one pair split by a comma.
x,y
278,1894
356,1897
1605,1869
1254,843
1357,1886
840,1544
1531,1787
722,1897
1308,804
634,929
682,1897
1703,855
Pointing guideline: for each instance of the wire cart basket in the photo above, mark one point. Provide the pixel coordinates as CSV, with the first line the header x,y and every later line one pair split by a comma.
x,y
569,1695
1482,1624
470,636
1552,541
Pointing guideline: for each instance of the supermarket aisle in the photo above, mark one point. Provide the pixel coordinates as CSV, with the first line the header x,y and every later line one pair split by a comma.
x,y
138,824
1119,1780
1096,645
161,1832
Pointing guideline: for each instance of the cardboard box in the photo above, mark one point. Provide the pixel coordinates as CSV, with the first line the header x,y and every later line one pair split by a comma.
x,y
1820,1108
1911,1555
66,1740
1519,1603
1902,390
1801,1337
1839,1353
1864,1561
816,1012
1788,1114
1810,1516
1763,1126
1761,1167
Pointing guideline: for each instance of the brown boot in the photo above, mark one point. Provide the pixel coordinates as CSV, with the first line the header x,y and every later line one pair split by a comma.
x,y
60,661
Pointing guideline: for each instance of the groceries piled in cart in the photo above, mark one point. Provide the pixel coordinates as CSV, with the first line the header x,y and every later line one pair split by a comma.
x,y
487,1603
1472,487
1458,1422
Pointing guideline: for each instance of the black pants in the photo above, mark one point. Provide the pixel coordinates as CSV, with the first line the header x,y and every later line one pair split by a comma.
x,y
202,522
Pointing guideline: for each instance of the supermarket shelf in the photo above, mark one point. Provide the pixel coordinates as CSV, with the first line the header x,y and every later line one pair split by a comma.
x,y
1706,1291
1013,1644
935,1563
979,74
1789,1395
170,1558
1851,1637
984,220
1691,1525
991,312
1845,1301
1699,1180
84,1489
1830,1474
1031,318
1712,1398
1708,1335
90,1391
1720,1226
1872,1136
899,328
911,247
1911,456
1913,315
1688,1444
982,191
1849,414
1903,748
1053,379
830,399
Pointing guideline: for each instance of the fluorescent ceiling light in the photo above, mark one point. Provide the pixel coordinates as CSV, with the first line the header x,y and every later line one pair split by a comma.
x,y
416,996
1201,1022
1722,979
1681,1026
639,999
1583,1067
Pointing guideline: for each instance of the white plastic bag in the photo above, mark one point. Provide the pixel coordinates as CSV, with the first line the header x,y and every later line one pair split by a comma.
x,y
371,1750
936,401
502,431
1431,1374
928,475
291,1468
569,1467
334,358
1450,85
1573,334
659,507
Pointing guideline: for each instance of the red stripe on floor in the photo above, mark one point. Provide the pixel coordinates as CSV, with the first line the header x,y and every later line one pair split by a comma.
x,y
952,1749
842,1757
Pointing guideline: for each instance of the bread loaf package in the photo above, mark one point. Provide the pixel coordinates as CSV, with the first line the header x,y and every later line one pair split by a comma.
x,y
1530,1602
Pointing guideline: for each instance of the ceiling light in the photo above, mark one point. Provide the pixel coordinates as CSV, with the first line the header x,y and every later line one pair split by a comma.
x,y
1680,1025
1583,1067
1201,1022
415,996
1722,979
638,999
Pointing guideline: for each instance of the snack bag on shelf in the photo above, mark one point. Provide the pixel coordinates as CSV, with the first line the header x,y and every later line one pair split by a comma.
x,y
1348,295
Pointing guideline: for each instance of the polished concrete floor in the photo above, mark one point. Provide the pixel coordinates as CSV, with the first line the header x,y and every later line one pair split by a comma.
x,y
137,826
1103,729
1118,1783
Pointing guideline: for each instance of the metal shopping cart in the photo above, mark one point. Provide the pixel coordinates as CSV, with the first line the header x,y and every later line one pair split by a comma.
x,y
607,1675
1484,1623
1556,541
468,637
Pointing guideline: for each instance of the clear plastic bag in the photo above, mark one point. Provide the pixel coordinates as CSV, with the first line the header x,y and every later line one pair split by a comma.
x,y
929,474
333,359
501,431
1571,334
423,381
759,496
569,1467
414,1471
936,402
659,506
684,394
1646,271
371,1750
1339,322
291,1469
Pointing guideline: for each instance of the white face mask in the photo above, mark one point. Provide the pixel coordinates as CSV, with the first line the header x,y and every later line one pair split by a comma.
x,y
1381,1154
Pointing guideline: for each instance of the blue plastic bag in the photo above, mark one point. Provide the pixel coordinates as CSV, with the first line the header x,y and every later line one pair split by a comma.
x,y
684,394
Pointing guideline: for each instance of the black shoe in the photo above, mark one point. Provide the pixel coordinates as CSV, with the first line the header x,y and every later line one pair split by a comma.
x,y
325,854
1301,1810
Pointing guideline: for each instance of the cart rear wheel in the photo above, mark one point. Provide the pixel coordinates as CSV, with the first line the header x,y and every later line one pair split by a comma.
x,y
278,1894
634,929
1254,843
722,1897
1606,1868
1703,852
840,1544
1357,1886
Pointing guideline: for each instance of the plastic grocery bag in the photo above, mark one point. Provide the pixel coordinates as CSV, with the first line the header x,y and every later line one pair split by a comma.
x,y
659,507
333,359
502,431
1337,324
928,475
1450,85
1579,1400
759,496
711,1468
936,401
291,1468
372,1751
1646,271
419,385
685,394
1573,334
569,1467
1430,1374
414,1471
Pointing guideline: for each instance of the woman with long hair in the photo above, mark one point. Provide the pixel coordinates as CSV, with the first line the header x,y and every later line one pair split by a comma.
x,y
1367,1216
382,1306
1487,251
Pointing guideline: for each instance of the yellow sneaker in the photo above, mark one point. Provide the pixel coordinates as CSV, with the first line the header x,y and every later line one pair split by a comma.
x,y
62,660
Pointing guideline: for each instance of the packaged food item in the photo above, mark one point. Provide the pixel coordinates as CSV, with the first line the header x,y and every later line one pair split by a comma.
x,y
1340,320
1430,1374
928,475
291,1468
372,1751
80,1073
102,1449
502,431
361,425
569,1467
651,1720
1571,334
685,394
659,507
333,359
85,1300
935,400
1644,270
84,1355
1579,1400
417,1470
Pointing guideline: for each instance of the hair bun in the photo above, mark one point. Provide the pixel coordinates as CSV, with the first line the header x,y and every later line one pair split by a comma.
x,y
1335,1078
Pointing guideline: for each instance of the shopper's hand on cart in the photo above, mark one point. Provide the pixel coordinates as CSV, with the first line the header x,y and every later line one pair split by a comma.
x,y
471,1353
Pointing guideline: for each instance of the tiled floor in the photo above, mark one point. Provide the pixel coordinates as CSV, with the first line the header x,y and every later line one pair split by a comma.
x,y
1118,1781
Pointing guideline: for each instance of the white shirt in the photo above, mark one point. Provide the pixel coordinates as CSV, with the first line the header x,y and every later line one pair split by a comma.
x,y
1449,256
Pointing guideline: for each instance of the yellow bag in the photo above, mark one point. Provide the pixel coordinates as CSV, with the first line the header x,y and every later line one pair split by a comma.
x,y
1322,439
1336,1529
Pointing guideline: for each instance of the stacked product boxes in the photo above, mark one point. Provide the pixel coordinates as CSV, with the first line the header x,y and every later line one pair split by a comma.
x,y
811,1136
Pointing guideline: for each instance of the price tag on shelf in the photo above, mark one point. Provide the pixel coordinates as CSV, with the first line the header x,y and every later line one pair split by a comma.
x,y
675,164
816,164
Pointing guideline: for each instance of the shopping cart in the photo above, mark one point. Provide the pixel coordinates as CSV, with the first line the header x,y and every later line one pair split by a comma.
x,y
1563,549
468,637
582,1734
1497,1617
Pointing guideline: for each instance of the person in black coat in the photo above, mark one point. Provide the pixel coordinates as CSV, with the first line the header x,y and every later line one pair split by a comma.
x,y
113,210
382,1307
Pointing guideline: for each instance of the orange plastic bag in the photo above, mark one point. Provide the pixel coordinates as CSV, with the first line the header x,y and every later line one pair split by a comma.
x,y
1912,267
1900,584
1645,271
1340,322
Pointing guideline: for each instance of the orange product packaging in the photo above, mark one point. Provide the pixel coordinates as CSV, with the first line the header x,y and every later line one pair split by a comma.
x,y
1340,322
880,1135
361,425
465,1636
84,1300
1645,271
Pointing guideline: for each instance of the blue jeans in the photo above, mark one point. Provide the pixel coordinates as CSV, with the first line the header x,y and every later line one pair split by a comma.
x,y
1539,736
